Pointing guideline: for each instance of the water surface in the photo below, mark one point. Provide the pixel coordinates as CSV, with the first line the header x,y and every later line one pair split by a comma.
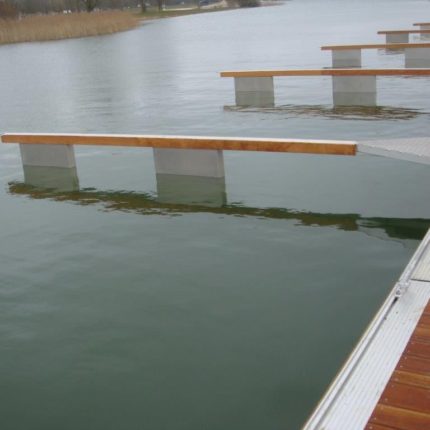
x,y
121,310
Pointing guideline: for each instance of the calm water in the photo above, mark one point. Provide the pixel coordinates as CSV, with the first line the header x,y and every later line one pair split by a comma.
x,y
121,311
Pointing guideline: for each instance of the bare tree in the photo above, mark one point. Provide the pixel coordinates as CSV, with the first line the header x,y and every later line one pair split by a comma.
x,y
90,5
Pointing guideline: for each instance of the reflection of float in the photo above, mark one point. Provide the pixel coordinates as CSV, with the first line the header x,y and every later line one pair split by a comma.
x,y
174,200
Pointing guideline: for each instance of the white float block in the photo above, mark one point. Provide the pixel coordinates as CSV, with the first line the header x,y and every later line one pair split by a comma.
x,y
346,58
189,162
354,90
258,92
417,57
47,155
191,190
397,38
53,178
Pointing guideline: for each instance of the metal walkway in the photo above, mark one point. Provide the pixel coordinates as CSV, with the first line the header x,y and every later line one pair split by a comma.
x,y
415,149
351,400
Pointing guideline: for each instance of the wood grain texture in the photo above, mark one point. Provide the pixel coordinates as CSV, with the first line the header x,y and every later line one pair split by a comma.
x,y
303,146
403,31
406,397
405,402
375,46
399,418
412,379
325,72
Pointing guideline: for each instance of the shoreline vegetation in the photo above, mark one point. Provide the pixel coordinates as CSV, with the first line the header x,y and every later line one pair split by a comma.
x,y
57,26
39,28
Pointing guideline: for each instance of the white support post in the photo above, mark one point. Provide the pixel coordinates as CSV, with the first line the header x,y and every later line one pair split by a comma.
x,y
354,90
397,38
417,57
47,155
189,162
49,166
256,92
346,58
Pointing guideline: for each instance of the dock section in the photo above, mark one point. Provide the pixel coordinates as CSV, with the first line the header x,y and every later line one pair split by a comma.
x,y
415,149
385,383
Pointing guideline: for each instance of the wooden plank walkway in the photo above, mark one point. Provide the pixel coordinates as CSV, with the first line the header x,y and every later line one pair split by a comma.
x,y
324,72
302,146
405,402
375,46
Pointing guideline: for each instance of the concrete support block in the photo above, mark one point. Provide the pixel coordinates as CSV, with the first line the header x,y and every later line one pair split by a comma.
x,y
189,162
54,178
346,58
354,90
417,57
47,155
257,92
191,190
397,38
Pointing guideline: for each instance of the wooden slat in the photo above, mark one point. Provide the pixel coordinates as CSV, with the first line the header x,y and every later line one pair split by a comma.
x,y
403,31
406,397
415,365
422,23
412,379
375,46
423,332
325,72
417,348
329,147
425,320
371,426
399,418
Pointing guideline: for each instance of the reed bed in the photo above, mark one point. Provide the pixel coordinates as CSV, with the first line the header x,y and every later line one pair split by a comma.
x,y
65,26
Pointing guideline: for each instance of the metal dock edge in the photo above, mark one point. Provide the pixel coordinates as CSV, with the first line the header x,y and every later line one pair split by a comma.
x,y
354,393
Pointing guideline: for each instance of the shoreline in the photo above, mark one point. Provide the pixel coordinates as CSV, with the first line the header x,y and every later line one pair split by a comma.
x,y
51,27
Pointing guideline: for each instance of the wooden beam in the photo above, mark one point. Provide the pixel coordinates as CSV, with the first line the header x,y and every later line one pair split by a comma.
x,y
325,72
329,147
376,46
403,31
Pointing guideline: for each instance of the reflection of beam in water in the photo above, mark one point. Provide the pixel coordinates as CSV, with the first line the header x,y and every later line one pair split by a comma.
x,y
372,113
55,178
146,204
191,190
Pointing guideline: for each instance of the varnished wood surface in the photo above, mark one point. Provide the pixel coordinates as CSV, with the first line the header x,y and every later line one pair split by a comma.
x,y
325,72
376,46
304,146
403,31
405,401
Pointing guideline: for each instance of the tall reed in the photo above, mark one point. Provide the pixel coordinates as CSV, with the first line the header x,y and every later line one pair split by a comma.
x,y
64,26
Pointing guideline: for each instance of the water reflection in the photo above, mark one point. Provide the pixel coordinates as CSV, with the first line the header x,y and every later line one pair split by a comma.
x,y
191,190
58,178
367,113
147,204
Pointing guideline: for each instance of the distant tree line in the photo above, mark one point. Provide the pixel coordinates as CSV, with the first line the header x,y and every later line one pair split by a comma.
x,y
13,8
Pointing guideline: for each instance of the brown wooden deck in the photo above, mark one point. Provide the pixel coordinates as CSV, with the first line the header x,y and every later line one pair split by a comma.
x,y
405,402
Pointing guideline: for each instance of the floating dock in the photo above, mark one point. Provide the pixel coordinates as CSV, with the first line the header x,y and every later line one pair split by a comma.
x,y
385,383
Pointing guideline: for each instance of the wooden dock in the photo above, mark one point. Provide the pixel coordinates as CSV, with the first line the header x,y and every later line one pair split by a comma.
x,y
385,383
405,402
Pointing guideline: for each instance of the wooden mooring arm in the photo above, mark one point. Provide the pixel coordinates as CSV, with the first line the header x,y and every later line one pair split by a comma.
x,y
304,146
